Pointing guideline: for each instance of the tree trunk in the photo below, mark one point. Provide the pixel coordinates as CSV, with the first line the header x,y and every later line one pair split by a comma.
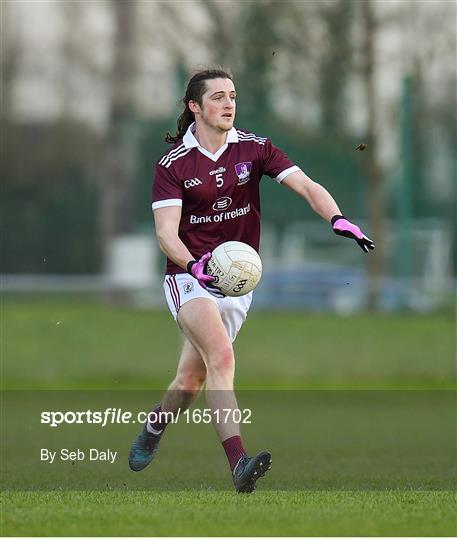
x,y
117,177
335,63
375,195
10,60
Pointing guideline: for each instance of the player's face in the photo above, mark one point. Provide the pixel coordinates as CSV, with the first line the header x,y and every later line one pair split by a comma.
x,y
218,104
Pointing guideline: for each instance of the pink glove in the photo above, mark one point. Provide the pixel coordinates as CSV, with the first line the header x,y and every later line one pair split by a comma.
x,y
344,227
197,269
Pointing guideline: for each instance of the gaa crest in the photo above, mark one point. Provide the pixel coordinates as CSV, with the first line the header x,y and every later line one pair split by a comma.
x,y
243,170
188,287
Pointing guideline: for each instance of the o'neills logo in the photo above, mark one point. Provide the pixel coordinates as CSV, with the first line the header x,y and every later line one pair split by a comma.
x,y
222,203
217,171
243,170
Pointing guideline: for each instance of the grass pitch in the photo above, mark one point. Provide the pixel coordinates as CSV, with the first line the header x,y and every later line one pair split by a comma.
x,y
58,344
222,513
330,474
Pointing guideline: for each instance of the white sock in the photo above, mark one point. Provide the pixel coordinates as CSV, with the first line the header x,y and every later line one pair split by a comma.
x,y
150,429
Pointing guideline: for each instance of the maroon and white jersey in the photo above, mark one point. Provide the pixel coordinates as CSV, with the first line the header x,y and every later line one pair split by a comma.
x,y
219,193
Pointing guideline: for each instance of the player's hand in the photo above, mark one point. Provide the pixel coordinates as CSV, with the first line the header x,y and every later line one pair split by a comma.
x,y
197,269
344,227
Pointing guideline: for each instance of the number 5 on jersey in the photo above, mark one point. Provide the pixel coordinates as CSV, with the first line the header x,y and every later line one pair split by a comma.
x,y
219,180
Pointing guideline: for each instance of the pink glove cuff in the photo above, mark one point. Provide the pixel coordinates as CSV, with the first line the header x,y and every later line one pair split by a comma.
x,y
342,224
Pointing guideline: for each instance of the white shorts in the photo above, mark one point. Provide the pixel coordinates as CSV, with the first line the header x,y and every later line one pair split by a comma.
x,y
180,288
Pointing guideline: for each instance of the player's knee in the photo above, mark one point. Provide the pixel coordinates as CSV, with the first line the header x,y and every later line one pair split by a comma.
x,y
190,382
222,360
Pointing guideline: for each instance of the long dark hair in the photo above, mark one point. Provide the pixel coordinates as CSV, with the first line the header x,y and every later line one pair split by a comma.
x,y
195,89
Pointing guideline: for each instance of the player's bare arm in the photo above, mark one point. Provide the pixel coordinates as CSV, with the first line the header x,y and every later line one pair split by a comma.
x,y
323,204
316,195
167,221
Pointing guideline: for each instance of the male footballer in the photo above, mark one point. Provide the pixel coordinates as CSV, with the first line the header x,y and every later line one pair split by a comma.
x,y
213,166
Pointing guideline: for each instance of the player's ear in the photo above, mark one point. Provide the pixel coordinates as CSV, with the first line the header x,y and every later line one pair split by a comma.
x,y
194,106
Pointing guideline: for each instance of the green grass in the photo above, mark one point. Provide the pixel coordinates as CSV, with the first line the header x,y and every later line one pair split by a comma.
x,y
82,345
221,513
344,463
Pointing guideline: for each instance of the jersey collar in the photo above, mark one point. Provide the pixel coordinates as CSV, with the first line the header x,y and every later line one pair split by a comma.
x,y
190,141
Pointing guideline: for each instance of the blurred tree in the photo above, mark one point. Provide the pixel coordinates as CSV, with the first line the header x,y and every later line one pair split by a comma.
x,y
48,202
116,189
435,114
335,63
74,57
10,54
79,70
433,65
259,39
224,31
376,199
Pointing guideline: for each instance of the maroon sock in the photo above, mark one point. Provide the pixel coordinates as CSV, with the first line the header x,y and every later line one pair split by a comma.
x,y
160,423
234,449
